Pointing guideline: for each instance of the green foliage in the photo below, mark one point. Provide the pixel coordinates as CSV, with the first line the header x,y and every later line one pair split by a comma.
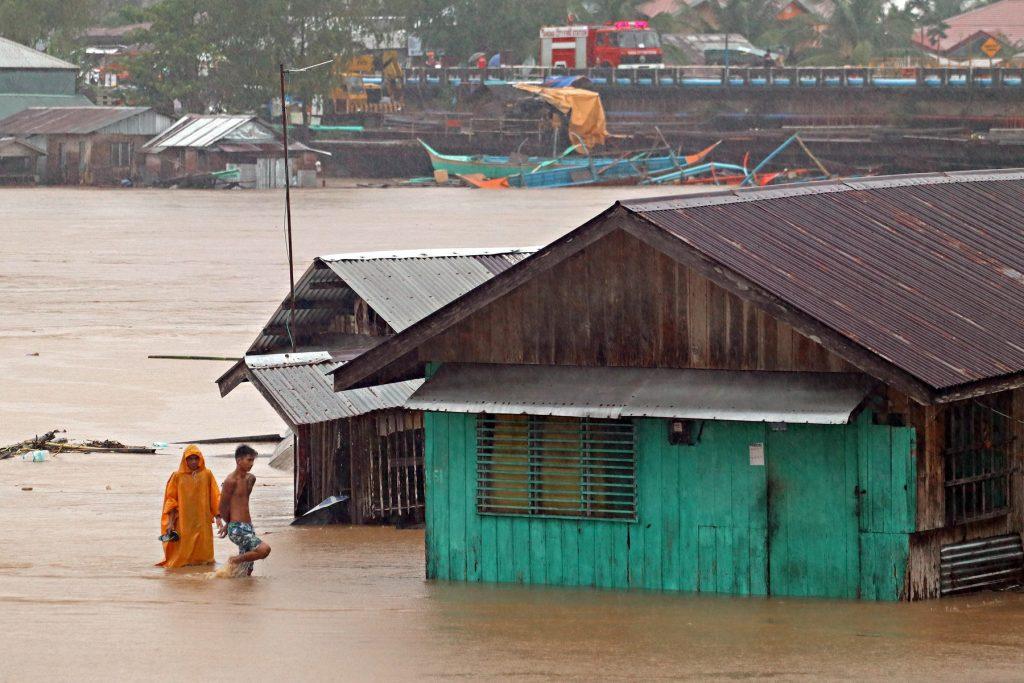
x,y
461,27
210,56
56,22
862,31
600,11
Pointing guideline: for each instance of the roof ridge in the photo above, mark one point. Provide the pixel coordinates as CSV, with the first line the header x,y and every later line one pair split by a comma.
x,y
425,253
750,194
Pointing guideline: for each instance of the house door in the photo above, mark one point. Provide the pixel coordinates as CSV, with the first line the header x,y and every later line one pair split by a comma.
x,y
811,482
840,505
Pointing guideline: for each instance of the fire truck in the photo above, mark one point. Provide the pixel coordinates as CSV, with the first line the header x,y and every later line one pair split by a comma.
x,y
619,44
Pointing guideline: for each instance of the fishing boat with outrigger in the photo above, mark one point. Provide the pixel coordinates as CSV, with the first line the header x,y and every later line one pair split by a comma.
x,y
627,169
497,166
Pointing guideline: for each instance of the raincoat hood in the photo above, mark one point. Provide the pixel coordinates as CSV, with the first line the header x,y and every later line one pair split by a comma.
x,y
191,449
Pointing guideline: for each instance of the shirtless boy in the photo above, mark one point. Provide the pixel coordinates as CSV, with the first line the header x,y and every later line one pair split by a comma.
x,y
234,508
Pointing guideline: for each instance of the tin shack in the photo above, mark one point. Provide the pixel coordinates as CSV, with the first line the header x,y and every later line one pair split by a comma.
x,y
799,391
361,443
201,146
86,145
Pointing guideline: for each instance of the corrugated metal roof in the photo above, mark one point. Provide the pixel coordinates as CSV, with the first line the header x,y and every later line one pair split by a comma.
x,y
195,130
12,103
405,287
25,145
66,120
302,392
391,283
797,397
17,56
925,271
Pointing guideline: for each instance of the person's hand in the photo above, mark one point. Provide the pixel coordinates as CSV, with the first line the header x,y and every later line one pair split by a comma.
x,y
222,529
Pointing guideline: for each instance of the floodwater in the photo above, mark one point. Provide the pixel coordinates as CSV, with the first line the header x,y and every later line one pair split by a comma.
x,y
93,281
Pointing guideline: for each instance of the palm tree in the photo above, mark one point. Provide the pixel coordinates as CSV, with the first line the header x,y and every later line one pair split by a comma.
x,y
862,30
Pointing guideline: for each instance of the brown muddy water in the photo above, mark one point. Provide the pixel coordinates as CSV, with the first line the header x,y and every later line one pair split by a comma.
x,y
93,281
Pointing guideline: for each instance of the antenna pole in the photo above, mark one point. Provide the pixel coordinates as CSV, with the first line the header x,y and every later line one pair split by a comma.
x,y
288,214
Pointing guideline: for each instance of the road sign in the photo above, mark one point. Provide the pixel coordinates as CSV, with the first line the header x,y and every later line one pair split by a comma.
x,y
991,47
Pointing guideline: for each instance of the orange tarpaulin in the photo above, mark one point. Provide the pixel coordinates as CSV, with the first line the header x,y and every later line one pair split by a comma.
x,y
196,497
586,113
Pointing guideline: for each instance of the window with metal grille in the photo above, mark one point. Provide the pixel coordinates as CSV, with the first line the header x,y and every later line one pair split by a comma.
x,y
556,467
978,438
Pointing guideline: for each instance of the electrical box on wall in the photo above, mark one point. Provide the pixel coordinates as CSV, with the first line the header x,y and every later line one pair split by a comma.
x,y
683,432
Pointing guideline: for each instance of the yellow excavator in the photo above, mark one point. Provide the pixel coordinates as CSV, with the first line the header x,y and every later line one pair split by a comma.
x,y
356,91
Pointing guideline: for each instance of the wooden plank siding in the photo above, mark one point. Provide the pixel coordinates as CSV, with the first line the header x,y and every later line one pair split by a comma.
x,y
620,302
933,531
707,520
376,459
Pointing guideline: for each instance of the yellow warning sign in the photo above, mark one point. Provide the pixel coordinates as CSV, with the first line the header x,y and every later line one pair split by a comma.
x,y
991,47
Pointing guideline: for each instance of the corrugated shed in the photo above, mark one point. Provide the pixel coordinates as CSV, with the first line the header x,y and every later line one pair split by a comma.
x,y
925,271
12,103
405,287
17,56
797,397
397,285
301,390
195,130
84,120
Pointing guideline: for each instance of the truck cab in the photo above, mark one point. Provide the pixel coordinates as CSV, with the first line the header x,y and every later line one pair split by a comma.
x,y
617,44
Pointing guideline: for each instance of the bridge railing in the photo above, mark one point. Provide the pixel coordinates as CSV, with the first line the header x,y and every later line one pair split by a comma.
x,y
737,76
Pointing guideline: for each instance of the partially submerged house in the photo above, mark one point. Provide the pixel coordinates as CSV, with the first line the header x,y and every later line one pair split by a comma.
x,y
201,145
361,443
87,145
810,390
19,161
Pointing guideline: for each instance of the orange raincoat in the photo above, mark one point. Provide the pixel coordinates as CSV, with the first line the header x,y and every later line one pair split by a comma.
x,y
196,496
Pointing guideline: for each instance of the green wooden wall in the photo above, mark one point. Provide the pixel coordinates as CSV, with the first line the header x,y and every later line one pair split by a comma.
x,y
829,514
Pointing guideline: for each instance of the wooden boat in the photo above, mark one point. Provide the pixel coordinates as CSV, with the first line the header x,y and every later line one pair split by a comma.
x,y
628,170
561,171
492,166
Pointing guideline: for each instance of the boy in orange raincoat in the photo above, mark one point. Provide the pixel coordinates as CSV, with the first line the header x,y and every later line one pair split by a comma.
x,y
191,504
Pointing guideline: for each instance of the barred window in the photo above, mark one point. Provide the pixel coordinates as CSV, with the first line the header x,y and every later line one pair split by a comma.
x,y
556,467
977,462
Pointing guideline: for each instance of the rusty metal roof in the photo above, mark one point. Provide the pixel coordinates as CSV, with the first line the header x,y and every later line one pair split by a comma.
x,y
925,271
614,392
66,120
300,389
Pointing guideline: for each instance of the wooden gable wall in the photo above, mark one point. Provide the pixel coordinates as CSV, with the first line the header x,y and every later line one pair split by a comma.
x,y
620,302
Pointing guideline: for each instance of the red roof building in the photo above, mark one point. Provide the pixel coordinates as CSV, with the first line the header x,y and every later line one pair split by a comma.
x,y
1001,21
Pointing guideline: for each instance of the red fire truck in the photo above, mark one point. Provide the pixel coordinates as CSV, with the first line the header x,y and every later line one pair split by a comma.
x,y
620,44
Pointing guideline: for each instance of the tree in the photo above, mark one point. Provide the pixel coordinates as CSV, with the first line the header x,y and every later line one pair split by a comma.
x,y
210,56
864,30
461,27
600,11
55,22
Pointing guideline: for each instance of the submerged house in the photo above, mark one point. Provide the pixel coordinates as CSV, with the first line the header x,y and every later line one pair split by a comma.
x,y
810,390
86,145
204,144
361,443
19,161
